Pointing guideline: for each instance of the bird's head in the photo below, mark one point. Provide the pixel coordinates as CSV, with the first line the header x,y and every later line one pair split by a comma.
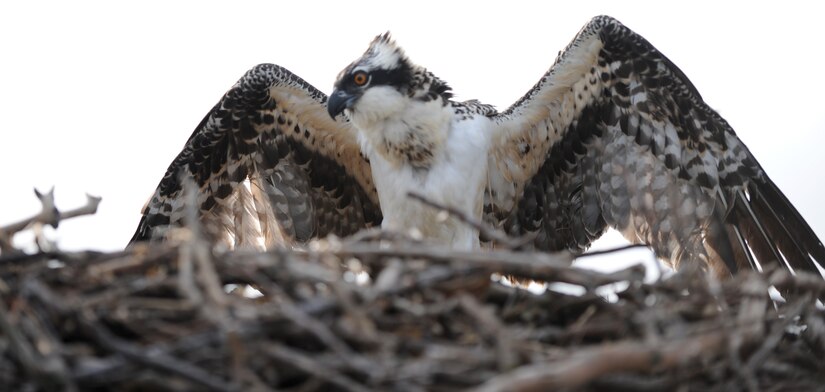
x,y
382,70
377,83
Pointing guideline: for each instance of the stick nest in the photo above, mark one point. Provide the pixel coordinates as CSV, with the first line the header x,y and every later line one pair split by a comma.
x,y
362,315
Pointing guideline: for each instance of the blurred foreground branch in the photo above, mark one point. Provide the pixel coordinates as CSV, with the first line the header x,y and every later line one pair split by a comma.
x,y
389,314
425,319
48,215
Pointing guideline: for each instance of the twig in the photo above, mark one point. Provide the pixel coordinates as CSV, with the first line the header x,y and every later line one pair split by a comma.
x,y
302,319
484,229
161,362
379,234
90,208
117,363
583,365
429,318
306,364
611,250
48,215
19,346
627,382
490,324
736,338
778,330
538,266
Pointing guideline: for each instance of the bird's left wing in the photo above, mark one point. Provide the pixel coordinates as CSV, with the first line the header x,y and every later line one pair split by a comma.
x,y
615,135
270,166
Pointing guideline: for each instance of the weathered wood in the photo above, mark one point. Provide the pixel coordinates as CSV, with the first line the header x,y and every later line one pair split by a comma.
x,y
177,317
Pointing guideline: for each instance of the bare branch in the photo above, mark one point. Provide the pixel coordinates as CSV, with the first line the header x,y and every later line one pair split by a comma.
x,y
48,215
485,230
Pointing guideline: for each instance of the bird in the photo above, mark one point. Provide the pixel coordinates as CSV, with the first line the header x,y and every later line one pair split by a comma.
x,y
613,135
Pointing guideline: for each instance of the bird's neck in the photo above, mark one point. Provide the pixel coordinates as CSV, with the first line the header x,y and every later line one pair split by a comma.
x,y
405,131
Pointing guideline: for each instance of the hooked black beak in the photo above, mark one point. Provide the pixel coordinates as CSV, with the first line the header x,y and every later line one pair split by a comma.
x,y
338,101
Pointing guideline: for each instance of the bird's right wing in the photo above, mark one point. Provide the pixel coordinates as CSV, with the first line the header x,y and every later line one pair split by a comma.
x,y
615,135
270,166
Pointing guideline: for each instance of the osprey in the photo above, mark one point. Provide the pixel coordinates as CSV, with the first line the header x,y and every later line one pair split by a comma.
x,y
613,135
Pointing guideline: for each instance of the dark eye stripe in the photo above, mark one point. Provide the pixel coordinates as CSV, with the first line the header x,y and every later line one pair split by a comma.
x,y
396,77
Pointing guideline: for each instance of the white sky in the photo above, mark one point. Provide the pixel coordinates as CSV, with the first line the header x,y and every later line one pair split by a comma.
x,y
99,97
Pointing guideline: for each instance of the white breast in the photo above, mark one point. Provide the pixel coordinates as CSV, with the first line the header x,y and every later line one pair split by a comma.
x,y
456,178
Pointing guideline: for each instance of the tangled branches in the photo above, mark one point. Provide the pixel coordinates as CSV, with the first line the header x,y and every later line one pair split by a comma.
x,y
180,318
360,316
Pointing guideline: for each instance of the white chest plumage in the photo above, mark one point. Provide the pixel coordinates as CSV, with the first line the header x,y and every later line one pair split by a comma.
x,y
455,174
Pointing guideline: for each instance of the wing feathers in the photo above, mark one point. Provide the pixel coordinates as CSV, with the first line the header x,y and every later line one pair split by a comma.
x,y
621,137
614,134
272,130
790,235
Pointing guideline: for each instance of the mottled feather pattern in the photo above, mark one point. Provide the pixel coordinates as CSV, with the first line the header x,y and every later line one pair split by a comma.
x,y
270,129
467,110
626,141
613,135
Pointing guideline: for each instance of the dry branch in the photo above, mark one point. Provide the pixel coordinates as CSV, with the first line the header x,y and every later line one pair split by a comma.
x,y
180,317
48,215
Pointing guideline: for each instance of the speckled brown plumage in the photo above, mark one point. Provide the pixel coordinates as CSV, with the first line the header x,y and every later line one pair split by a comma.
x,y
613,135
306,176
641,152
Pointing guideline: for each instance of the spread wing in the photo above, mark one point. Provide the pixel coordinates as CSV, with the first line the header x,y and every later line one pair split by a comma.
x,y
270,164
615,135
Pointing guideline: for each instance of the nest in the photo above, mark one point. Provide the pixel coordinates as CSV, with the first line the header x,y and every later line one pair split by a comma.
x,y
358,315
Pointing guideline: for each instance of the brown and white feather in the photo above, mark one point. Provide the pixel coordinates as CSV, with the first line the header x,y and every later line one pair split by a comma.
x,y
615,135
270,133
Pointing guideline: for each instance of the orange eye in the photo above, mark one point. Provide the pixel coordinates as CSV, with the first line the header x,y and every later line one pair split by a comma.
x,y
360,78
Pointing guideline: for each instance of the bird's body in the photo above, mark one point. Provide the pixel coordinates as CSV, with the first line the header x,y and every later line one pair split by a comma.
x,y
613,135
452,173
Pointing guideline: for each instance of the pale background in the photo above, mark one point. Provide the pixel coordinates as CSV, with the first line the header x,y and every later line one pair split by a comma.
x,y
99,97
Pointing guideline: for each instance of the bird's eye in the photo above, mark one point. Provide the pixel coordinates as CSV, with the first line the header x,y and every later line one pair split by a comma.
x,y
360,78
